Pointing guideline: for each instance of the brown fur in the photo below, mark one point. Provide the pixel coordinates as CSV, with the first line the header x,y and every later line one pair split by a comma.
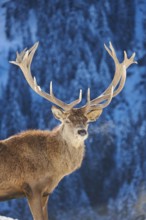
x,y
36,155
33,162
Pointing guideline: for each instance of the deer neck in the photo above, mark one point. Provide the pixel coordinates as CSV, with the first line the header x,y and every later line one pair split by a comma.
x,y
69,138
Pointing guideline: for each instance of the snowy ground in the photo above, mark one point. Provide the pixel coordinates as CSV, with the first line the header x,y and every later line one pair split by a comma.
x,y
5,218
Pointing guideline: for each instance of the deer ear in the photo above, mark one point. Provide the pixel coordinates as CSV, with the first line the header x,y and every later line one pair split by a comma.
x,y
93,115
58,113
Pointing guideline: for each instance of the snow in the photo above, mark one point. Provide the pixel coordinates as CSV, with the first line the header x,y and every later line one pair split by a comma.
x,y
6,218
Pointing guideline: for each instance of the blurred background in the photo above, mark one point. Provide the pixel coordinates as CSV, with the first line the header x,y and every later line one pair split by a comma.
x,y
111,184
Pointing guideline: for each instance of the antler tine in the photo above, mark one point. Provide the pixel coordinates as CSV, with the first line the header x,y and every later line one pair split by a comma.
x,y
23,60
87,106
118,80
64,105
72,104
103,98
88,96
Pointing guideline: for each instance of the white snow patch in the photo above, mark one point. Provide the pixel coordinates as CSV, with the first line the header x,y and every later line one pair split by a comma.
x,y
5,218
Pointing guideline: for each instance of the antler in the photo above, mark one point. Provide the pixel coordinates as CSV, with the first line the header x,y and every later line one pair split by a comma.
x,y
119,78
23,60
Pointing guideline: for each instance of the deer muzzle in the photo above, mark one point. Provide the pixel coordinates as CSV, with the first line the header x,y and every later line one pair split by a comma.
x,y
82,132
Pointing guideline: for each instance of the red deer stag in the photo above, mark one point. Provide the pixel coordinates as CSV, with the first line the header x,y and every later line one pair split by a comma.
x,y
32,163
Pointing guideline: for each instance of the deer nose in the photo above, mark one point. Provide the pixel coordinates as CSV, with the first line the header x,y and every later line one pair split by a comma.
x,y
82,132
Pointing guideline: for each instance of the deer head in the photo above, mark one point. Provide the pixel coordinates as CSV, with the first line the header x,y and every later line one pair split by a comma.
x,y
75,120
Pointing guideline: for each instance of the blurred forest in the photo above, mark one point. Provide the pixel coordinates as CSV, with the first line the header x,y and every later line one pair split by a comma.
x,y
111,184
